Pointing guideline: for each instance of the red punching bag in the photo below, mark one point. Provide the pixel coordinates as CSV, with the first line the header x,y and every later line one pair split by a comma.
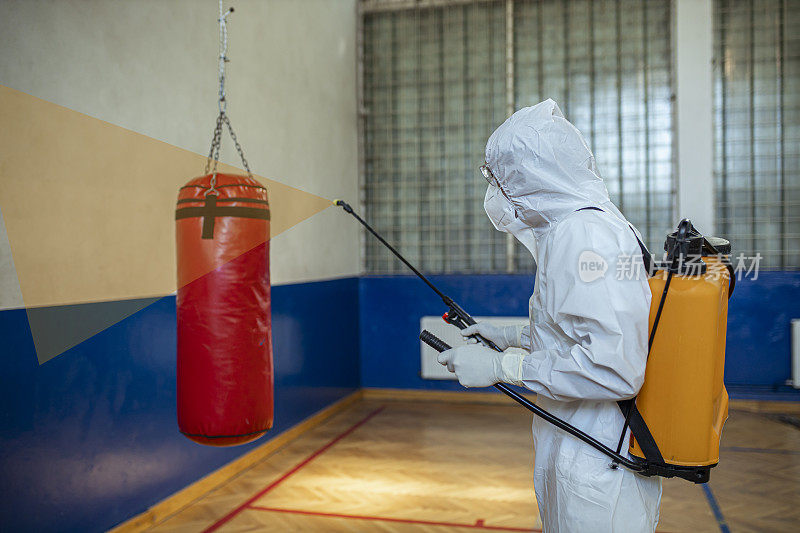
x,y
223,307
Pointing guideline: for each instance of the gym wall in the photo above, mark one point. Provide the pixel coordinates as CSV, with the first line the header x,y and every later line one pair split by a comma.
x,y
89,432
758,353
89,436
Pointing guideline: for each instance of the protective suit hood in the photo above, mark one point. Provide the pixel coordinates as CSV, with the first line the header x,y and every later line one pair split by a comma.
x,y
545,167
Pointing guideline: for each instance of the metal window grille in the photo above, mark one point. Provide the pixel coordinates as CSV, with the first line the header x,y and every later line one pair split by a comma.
x,y
439,76
757,128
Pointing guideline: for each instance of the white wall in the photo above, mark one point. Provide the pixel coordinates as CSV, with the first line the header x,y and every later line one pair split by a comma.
x,y
151,66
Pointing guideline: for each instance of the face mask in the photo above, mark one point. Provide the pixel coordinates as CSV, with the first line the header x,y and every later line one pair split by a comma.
x,y
504,218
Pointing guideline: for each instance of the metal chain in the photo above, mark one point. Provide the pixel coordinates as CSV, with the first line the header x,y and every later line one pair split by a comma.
x,y
236,143
213,153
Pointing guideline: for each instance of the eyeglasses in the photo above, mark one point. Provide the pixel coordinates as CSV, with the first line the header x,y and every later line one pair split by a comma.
x,y
490,178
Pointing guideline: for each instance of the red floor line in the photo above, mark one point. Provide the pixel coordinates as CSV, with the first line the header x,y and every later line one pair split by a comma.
x,y
479,524
228,517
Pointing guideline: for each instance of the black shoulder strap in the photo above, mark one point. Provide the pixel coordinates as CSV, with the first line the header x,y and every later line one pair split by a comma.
x,y
647,257
640,431
633,418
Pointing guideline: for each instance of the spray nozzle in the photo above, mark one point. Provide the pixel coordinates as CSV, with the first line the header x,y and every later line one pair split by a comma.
x,y
344,205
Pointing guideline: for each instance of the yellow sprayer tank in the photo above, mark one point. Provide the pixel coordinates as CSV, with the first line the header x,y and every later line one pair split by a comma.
x,y
683,400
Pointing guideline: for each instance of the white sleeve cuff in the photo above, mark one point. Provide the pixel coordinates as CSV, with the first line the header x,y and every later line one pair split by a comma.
x,y
511,368
525,338
515,336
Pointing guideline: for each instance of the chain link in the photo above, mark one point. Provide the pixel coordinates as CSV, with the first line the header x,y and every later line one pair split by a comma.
x,y
216,141
213,153
236,143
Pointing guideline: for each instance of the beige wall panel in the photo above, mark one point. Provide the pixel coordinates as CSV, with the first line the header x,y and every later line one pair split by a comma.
x,y
151,67
89,207
10,294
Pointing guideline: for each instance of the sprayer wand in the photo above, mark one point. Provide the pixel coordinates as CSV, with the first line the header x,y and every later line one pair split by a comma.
x,y
456,316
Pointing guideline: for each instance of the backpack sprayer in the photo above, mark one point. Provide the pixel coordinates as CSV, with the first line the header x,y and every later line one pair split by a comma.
x,y
663,446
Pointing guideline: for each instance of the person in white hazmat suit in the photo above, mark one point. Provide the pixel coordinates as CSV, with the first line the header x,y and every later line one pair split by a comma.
x,y
587,339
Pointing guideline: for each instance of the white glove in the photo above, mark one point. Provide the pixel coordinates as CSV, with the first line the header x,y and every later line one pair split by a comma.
x,y
478,366
504,337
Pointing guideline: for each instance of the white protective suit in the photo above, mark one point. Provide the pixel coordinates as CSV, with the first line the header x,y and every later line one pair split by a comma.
x,y
588,332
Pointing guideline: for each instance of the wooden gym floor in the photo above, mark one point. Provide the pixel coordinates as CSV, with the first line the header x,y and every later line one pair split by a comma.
x,y
436,467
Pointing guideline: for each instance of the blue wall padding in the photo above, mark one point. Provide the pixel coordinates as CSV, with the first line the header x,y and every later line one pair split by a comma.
x,y
759,339
759,345
391,307
90,438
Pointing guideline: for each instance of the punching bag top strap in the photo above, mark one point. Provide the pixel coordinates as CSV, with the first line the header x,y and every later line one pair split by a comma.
x,y
210,211
224,200
226,185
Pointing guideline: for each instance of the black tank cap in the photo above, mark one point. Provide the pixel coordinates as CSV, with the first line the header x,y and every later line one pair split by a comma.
x,y
723,246
692,246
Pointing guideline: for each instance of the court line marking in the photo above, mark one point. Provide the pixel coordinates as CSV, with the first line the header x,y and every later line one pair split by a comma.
x,y
712,501
479,524
759,450
228,517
